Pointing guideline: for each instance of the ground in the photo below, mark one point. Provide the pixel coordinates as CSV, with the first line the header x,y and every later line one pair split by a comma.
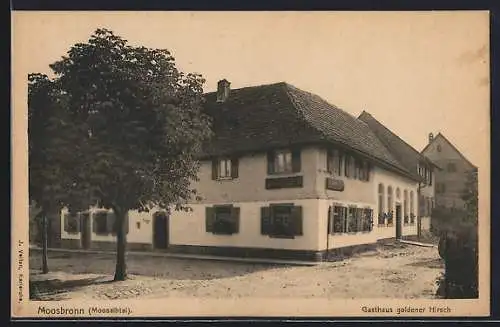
x,y
394,271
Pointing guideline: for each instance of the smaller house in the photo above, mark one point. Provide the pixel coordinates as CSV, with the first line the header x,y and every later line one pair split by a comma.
x,y
451,179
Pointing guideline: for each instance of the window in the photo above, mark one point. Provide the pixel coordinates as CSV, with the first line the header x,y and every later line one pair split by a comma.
x,y
381,218
405,207
222,220
100,223
72,223
224,168
339,219
390,207
430,177
451,168
365,171
398,193
349,167
283,162
350,220
439,148
357,168
334,162
281,221
105,222
366,220
440,188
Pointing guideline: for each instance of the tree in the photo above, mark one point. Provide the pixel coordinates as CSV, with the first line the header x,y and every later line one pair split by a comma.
x,y
140,126
49,142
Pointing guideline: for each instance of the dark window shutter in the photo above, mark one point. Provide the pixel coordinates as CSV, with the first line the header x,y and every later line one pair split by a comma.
x,y
215,169
368,171
347,166
330,220
209,219
235,217
111,223
234,167
329,167
270,162
297,220
265,220
341,160
296,160
66,222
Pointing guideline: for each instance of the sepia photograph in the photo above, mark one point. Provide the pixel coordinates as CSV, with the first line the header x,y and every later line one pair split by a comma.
x,y
250,164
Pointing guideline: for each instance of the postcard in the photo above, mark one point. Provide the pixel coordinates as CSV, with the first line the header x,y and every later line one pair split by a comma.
x,y
250,164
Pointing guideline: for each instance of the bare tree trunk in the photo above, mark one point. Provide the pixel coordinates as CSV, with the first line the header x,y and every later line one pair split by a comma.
x,y
45,265
121,245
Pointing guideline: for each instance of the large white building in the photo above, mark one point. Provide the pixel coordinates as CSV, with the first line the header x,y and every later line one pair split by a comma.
x,y
286,175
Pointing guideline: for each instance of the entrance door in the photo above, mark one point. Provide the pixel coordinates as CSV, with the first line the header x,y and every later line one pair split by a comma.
x,y
398,221
160,230
85,230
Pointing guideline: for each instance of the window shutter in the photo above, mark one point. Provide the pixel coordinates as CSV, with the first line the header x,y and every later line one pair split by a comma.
x,y
234,167
215,169
297,220
235,217
270,162
347,166
329,167
209,219
330,220
368,170
265,220
296,160
66,222
111,223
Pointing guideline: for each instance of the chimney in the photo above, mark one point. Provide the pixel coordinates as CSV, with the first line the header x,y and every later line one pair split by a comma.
x,y
223,88
431,137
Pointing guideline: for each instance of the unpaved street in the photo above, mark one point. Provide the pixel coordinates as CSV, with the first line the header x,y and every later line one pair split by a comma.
x,y
391,272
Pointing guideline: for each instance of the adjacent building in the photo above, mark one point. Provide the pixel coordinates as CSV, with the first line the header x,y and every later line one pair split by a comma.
x,y
286,175
451,178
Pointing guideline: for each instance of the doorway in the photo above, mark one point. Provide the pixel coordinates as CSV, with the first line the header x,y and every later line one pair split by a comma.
x,y
86,235
398,221
160,230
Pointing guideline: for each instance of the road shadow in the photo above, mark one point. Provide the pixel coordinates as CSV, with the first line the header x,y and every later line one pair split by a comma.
x,y
432,264
151,266
55,289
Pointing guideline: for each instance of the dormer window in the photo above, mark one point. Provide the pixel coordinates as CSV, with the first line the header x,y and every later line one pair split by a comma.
x,y
224,168
283,161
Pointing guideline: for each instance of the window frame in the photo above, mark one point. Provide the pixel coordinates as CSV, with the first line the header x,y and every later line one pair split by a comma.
x,y
101,214
228,171
381,205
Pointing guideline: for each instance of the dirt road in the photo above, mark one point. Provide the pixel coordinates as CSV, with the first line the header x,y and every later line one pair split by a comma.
x,y
391,272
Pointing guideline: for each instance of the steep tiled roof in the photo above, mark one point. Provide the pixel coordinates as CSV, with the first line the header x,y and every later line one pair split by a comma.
x,y
276,115
408,156
452,146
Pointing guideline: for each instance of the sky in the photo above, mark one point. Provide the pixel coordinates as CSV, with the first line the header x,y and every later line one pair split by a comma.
x,y
416,72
